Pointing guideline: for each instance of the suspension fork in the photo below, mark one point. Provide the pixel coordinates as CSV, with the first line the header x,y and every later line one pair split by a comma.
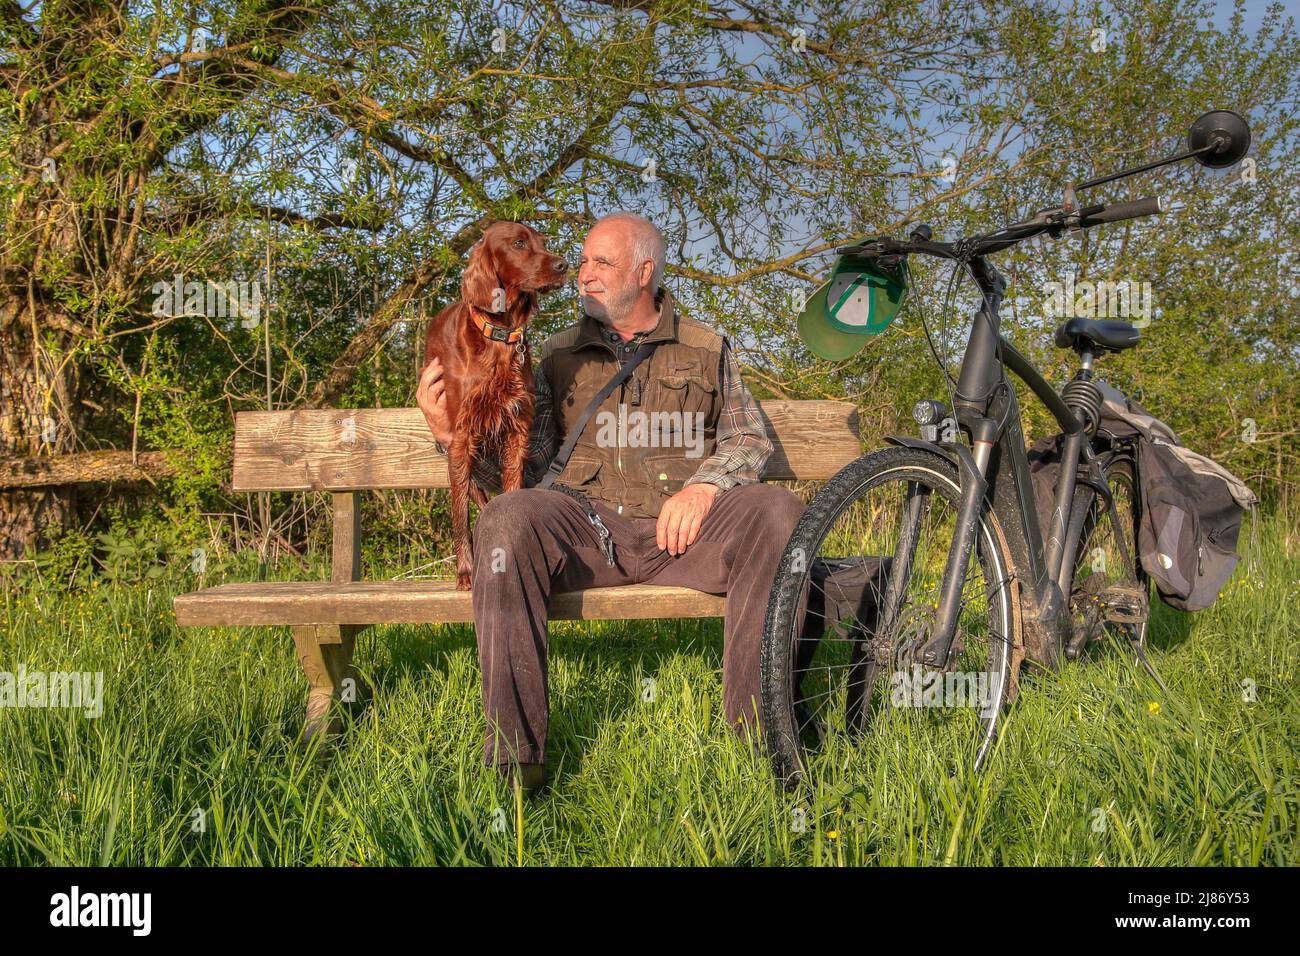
x,y
974,486
976,388
900,569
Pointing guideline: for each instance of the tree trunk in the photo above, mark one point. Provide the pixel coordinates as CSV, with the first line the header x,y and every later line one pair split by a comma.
x,y
34,421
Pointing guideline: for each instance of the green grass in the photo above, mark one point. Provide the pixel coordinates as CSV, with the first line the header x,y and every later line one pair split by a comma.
x,y
1095,766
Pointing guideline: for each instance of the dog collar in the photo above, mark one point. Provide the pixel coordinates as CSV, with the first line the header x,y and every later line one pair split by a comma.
x,y
497,333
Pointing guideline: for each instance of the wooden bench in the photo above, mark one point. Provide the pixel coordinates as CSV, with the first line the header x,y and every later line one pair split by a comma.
x,y
349,451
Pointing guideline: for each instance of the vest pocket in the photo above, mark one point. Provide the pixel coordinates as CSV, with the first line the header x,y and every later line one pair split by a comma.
x,y
579,470
668,473
685,392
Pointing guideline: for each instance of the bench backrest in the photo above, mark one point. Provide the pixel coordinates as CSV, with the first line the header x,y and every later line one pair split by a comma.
x,y
347,451
375,448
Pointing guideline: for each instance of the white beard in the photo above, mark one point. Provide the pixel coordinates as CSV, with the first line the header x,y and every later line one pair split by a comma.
x,y
617,311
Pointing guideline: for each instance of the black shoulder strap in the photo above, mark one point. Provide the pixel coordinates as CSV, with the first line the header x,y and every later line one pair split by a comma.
x,y
562,456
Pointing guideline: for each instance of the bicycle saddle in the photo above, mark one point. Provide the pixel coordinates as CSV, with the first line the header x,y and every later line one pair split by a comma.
x,y
1109,334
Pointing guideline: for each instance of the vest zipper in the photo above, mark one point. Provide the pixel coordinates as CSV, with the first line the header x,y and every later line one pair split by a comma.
x,y
622,389
622,394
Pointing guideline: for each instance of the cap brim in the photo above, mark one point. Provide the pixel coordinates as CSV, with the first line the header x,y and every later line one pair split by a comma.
x,y
821,337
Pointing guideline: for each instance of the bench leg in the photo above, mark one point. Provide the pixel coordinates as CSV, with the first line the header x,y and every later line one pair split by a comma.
x,y
325,653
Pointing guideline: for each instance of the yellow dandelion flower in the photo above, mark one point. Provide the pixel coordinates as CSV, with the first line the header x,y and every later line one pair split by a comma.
x,y
1153,707
832,834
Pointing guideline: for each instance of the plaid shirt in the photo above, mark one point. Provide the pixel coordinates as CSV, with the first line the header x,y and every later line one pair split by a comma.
x,y
740,452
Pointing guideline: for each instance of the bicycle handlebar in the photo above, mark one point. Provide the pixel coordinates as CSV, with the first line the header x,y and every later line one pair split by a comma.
x,y
1119,211
1052,220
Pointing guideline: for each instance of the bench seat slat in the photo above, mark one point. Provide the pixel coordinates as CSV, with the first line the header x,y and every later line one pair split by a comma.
x,y
417,602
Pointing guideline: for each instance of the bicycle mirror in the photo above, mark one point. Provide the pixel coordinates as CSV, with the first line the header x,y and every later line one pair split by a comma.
x,y
859,300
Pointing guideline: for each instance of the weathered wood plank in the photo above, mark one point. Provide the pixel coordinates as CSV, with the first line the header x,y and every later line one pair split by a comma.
x,y
86,467
811,439
416,602
363,449
347,537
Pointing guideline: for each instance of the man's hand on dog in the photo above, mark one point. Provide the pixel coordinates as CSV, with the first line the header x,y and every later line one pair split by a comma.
x,y
679,519
681,516
431,396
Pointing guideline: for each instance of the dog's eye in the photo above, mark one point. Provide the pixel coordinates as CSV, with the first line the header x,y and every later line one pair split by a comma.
x,y
519,243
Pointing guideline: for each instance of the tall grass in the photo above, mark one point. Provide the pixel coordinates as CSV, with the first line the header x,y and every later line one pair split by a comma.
x,y
194,761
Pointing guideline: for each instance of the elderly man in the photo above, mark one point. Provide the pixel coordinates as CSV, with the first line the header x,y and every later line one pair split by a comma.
x,y
689,511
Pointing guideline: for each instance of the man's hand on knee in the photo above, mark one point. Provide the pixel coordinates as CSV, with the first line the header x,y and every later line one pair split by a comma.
x,y
681,516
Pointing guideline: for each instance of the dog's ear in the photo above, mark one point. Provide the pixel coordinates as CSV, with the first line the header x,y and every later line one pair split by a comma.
x,y
479,284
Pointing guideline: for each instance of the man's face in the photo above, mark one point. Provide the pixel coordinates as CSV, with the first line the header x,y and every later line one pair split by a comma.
x,y
608,278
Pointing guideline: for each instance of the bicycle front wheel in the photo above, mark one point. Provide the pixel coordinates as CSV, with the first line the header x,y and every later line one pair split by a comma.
x,y
868,558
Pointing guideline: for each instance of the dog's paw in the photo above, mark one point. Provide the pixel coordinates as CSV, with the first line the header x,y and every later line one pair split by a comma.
x,y
463,581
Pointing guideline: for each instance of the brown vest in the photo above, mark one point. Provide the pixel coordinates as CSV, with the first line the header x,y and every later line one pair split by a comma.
x,y
634,455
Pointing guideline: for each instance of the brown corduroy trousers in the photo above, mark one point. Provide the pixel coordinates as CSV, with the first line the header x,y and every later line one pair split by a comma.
x,y
546,544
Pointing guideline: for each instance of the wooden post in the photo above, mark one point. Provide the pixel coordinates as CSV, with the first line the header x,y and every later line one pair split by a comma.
x,y
325,650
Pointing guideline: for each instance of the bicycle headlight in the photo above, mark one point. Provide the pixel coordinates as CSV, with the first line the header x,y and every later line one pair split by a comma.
x,y
929,412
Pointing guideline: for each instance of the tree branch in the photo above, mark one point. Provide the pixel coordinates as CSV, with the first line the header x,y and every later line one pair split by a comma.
x,y
195,98
15,28
192,208
84,468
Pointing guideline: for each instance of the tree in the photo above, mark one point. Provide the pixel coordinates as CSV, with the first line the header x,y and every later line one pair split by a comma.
x,y
166,165
140,143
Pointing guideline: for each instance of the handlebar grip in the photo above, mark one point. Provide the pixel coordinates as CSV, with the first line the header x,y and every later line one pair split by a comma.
x,y
1119,211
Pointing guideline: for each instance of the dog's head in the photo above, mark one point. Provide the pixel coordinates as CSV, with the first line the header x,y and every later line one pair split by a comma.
x,y
510,261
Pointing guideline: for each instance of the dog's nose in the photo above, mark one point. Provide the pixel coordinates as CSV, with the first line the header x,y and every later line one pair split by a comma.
x,y
561,265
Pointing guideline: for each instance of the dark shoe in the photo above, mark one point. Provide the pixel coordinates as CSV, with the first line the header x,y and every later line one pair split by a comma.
x,y
532,777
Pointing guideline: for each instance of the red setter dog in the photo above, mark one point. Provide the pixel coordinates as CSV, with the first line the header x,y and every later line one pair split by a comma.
x,y
487,365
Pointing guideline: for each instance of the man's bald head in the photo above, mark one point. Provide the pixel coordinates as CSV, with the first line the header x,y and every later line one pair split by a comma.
x,y
620,271
645,242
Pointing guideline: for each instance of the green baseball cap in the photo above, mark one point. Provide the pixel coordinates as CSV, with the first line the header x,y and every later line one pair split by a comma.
x,y
859,300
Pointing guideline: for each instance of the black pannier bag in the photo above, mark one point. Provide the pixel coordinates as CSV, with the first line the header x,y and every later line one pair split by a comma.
x,y
844,597
1191,510
845,594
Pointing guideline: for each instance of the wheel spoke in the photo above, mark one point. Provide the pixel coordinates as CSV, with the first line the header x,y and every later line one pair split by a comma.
x,y
876,555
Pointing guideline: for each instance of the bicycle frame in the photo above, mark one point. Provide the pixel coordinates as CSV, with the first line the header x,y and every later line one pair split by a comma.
x,y
995,469
995,474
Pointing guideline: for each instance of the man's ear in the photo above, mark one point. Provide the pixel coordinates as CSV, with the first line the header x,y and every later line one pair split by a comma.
x,y
479,285
647,276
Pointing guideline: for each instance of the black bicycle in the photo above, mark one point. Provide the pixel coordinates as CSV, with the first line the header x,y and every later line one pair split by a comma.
x,y
919,576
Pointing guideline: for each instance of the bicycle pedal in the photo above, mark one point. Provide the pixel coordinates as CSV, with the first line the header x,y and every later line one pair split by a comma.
x,y
1122,604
